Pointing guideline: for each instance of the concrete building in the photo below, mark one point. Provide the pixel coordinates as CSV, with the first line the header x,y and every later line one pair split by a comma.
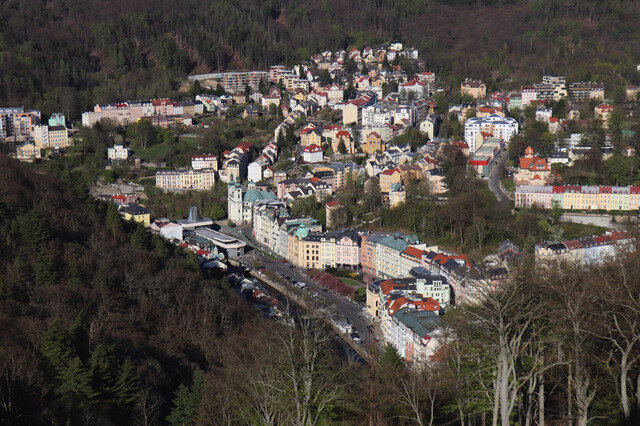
x,y
498,127
240,201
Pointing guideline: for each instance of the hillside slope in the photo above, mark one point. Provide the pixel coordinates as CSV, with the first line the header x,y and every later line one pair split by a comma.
x,y
68,54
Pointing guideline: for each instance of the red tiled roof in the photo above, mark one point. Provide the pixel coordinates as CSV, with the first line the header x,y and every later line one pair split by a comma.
x,y
313,148
331,204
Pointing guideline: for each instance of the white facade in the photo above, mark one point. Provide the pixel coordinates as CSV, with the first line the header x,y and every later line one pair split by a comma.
x,y
255,171
312,154
497,126
205,161
118,152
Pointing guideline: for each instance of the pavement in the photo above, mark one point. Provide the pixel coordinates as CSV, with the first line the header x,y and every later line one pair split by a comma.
x,y
495,177
338,306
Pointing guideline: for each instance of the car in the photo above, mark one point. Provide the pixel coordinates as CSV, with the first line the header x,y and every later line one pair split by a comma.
x,y
325,290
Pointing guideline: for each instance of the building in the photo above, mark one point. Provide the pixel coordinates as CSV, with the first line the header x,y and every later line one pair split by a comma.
x,y
474,88
608,198
235,81
389,178
430,126
118,153
240,201
137,213
28,152
57,119
495,125
397,195
310,135
312,154
204,161
532,170
45,136
485,158
331,209
603,112
588,250
18,123
585,91
231,246
343,137
181,179
372,143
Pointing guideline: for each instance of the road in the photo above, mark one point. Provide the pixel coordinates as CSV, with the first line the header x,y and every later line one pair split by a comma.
x,y
495,176
338,306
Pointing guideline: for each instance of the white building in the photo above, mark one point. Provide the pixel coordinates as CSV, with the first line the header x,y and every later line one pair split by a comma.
x,y
312,154
497,126
118,153
204,161
256,169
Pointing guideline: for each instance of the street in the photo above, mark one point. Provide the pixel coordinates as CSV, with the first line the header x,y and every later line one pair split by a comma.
x,y
495,176
338,306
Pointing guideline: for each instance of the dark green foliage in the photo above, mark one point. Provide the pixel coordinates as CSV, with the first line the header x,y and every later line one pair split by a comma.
x,y
186,401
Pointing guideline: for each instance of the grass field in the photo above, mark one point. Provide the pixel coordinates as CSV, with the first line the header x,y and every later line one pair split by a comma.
x,y
351,282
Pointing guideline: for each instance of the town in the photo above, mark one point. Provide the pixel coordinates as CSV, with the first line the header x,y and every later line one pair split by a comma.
x,y
354,137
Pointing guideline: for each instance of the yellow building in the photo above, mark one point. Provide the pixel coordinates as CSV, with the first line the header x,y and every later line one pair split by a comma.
x,y
136,213
27,152
305,249
373,143
51,136
474,88
388,178
310,135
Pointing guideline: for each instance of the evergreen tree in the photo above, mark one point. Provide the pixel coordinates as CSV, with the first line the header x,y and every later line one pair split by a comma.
x,y
187,401
126,385
5,291
54,348
140,238
342,148
44,272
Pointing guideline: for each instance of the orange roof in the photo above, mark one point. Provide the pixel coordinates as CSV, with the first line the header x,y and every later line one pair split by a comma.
x,y
414,252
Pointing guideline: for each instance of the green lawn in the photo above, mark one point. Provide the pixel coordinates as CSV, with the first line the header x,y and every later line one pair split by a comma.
x,y
508,185
154,153
351,282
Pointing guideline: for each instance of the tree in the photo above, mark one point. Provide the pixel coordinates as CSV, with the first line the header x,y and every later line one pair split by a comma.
x,y
195,88
342,148
44,271
556,211
126,386
187,401
304,206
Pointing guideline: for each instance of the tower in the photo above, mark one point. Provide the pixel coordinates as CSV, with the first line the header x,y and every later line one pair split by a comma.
x,y
234,201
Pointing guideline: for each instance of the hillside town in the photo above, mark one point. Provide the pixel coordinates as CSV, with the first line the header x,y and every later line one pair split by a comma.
x,y
374,124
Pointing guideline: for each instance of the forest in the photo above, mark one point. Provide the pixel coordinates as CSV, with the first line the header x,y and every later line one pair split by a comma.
x,y
66,55
100,322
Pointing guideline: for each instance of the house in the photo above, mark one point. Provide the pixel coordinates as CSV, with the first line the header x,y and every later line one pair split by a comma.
x,y
28,152
310,135
603,112
533,170
430,126
250,111
388,178
397,195
474,88
343,137
372,143
312,154
137,213
495,125
118,153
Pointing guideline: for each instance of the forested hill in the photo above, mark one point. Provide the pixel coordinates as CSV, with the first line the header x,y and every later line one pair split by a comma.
x,y
99,320
67,54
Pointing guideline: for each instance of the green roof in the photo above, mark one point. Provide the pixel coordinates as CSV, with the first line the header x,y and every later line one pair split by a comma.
x,y
254,195
394,243
420,322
